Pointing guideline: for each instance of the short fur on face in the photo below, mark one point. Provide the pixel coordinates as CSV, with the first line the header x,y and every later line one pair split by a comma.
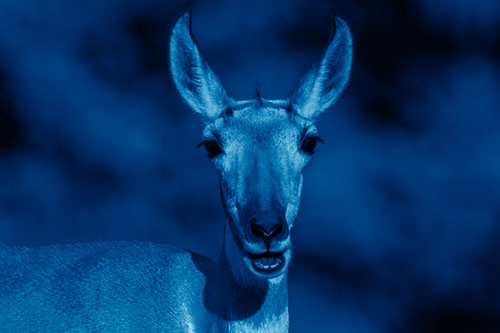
x,y
259,146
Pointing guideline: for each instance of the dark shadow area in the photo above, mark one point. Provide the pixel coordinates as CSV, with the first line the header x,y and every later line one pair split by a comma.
x,y
244,301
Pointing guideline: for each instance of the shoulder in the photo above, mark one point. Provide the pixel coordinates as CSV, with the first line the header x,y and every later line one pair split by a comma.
x,y
123,255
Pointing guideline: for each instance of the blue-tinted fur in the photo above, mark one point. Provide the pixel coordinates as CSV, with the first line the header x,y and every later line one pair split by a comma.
x,y
141,287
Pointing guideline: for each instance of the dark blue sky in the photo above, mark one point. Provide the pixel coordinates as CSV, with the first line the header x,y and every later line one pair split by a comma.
x,y
399,223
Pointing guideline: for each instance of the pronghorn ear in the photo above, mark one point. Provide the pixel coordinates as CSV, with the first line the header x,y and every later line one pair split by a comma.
x,y
326,80
194,79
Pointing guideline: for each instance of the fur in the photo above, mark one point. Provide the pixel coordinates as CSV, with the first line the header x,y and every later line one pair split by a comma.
x,y
142,287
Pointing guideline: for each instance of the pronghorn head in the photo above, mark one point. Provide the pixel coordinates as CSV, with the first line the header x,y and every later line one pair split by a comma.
x,y
259,147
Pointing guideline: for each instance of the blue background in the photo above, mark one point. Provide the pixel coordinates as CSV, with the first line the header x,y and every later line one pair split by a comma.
x,y
399,224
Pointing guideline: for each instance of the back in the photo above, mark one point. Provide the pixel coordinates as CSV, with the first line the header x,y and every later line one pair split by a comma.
x,y
107,286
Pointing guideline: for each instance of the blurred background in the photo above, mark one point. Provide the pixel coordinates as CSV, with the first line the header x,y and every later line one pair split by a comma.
x,y
399,227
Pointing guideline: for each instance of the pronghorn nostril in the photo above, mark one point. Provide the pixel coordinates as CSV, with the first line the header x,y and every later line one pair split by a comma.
x,y
267,231
259,231
275,230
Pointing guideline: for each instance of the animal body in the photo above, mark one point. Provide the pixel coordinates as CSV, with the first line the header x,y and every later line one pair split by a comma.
x,y
260,148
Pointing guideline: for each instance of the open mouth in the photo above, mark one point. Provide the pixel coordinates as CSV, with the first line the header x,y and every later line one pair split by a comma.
x,y
268,262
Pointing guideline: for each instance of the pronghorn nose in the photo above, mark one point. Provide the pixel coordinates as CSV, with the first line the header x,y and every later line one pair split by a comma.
x,y
268,231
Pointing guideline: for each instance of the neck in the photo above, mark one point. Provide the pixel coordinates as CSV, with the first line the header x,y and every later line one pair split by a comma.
x,y
248,303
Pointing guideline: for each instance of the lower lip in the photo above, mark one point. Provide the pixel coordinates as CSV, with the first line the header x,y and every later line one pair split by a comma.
x,y
268,263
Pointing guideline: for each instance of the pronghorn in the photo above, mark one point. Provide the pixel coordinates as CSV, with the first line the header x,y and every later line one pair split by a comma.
x,y
260,148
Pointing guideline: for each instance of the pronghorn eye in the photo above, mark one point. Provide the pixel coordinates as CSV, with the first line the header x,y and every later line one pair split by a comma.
x,y
309,144
212,147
